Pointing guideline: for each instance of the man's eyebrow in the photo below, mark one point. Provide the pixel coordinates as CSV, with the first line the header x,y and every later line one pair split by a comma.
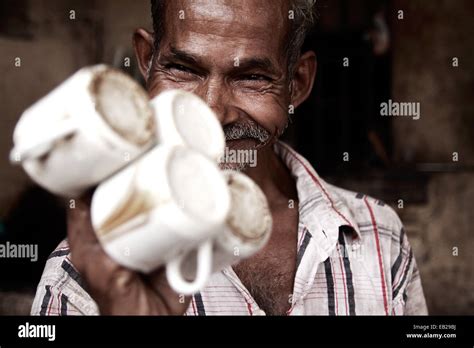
x,y
183,56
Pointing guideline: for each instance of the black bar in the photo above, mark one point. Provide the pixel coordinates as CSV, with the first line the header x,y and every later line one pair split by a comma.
x,y
241,330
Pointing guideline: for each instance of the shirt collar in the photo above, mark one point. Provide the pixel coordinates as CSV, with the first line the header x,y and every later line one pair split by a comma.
x,y
321,209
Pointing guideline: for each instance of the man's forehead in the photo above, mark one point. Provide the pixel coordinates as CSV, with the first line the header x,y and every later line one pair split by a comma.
x,y
259,19
239,9
234,28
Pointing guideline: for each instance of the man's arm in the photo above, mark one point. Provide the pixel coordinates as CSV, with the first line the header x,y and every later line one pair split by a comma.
x,y
407,290
415,299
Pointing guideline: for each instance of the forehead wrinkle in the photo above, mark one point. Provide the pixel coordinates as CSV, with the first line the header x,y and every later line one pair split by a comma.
x,y
216,11
233,43
231,8
231,18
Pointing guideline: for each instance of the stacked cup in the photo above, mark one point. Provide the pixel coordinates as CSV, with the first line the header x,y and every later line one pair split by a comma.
x,y
161,198
90,126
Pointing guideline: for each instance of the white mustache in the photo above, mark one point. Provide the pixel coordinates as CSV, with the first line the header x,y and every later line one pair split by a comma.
x,y
245,130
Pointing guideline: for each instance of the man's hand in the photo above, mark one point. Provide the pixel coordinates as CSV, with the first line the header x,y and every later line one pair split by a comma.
x,y
115,289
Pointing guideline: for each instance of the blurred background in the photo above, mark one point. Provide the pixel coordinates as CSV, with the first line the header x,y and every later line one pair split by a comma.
x,y
368,51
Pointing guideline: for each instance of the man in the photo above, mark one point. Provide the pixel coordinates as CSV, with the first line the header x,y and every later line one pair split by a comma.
x,y
332,252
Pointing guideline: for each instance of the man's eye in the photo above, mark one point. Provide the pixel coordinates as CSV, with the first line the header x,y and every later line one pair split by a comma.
x,y
180,68
256,77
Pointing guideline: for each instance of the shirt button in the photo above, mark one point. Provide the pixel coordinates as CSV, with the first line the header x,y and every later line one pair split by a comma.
x,y
355,246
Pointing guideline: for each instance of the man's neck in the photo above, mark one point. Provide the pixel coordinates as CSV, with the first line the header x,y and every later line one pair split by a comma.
x,y
273,177
269,274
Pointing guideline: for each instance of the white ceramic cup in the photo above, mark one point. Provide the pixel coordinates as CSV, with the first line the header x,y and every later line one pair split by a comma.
x,y
84,130
246,231
167,202
182,118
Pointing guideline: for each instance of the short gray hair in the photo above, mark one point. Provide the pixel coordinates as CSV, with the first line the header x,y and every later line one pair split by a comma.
x,y
304,17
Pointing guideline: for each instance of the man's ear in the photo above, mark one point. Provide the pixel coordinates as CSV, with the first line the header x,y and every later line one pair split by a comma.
x,y
143,44
303,79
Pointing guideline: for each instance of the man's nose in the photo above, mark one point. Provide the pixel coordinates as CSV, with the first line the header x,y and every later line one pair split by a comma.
x,y
219,98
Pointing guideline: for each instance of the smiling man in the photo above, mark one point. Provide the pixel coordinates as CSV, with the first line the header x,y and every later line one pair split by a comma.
x,y
332,252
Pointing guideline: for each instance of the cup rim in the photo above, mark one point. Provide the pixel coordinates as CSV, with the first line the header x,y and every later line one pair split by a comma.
x,y
106,129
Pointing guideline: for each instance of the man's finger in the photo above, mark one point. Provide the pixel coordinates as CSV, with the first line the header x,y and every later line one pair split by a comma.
x,y
80,224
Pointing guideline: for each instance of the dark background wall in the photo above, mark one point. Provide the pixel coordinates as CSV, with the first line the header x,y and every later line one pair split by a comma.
x,y
399,160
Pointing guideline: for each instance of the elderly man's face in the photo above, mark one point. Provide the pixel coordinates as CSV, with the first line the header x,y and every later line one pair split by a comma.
x,y
232,54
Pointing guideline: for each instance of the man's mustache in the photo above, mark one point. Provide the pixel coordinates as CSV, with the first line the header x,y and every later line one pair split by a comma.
x,y
246,130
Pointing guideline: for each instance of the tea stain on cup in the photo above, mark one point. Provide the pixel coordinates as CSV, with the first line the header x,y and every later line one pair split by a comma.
x,y
136,203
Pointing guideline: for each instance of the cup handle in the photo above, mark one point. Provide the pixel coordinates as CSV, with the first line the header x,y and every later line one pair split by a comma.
x,y
41,147
203,271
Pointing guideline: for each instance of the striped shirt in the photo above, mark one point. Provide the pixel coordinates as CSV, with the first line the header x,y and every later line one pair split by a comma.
x,y
353,258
